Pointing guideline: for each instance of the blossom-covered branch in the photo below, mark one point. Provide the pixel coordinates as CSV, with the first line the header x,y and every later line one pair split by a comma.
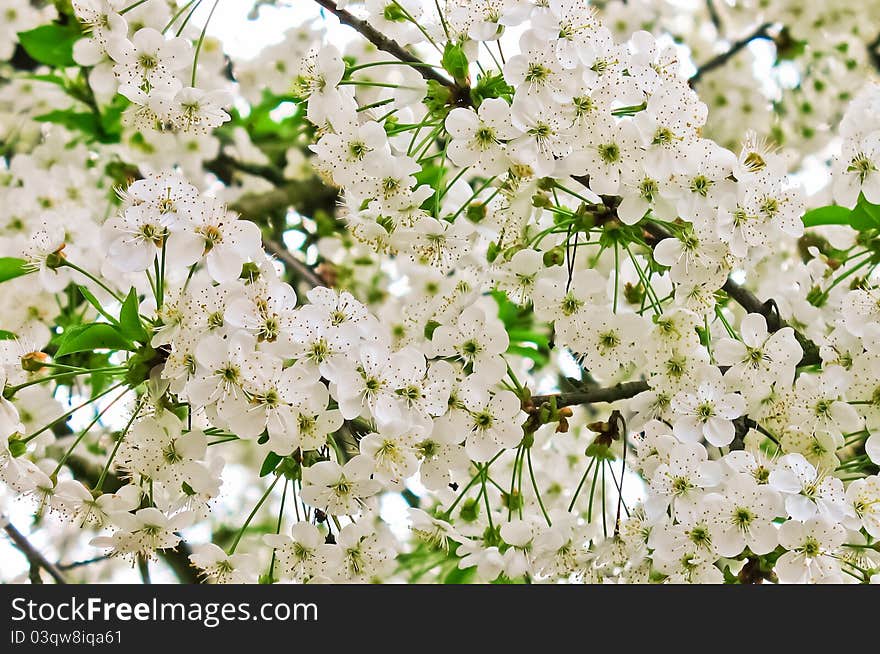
x,y
544,189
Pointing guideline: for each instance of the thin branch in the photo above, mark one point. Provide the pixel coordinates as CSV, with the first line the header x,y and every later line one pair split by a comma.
x,y
874,52
622,391
32,554
82,563
713,14
144,568
762,32
382,42
301,269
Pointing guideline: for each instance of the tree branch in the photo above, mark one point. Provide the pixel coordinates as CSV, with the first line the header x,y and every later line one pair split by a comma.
x,y
31,553
390,46
874,52
713,14
301,269
762,32
622,391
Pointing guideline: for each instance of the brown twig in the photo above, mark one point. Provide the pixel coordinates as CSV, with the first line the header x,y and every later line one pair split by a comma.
x,y
622,391
32,554
874,52
382,42
299,268
762,32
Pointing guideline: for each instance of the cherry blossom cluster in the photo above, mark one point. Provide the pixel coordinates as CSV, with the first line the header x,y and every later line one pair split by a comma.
x,y
142,62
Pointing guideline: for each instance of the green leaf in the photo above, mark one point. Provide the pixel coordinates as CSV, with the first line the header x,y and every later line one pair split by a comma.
x,y
91,299
6,336
488,86
432,176
528,336
455,63
430,328
130,321
78,121
860,219
270,463
830,215
873,210
460,576
51,44
729,577
10,268
95,336
437,98
111,120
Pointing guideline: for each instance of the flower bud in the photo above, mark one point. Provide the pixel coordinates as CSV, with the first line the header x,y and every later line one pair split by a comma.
x,y
33,361
554,257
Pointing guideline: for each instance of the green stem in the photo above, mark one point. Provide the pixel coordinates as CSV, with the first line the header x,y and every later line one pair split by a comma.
x,y
71,412
131,6
85,431
648,288
616,273
93,278
199,44
424,32
535,486
356,82
278,530
12,390
100,484
471,483
188,16
252,514
393,62
485,494
474,195
177,15
592,496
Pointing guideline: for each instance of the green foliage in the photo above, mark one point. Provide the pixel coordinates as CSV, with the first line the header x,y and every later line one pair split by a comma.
x,y
830,215
94,336
105,127
11,267
455,63
862,217
525,341
434,177
272,133
51,44
437,99
78,121
270,463
461,576
130,324
91,299
491,86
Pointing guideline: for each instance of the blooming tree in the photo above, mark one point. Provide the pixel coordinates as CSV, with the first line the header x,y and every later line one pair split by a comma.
x,y
590,289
